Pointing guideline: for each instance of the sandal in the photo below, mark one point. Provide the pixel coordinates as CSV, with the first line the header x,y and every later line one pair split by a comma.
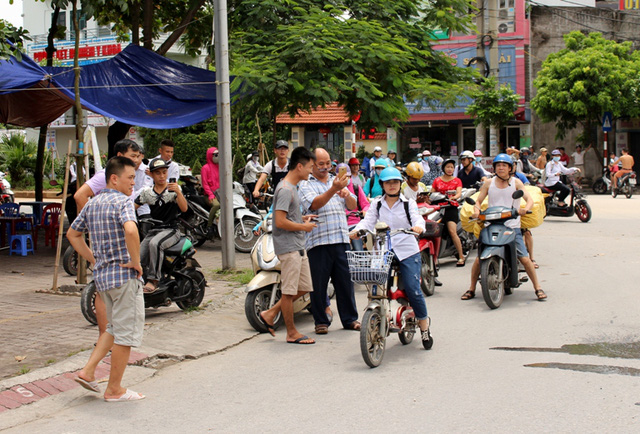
x,y
149,288
535,264
461,262
468,295
540,294
354,326
322,329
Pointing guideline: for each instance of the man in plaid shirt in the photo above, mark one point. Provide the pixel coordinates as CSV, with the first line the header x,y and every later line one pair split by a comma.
x,y
110,219
327,196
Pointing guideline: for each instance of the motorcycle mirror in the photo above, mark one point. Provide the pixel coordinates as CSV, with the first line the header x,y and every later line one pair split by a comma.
x,y
517,194
470,201
53,182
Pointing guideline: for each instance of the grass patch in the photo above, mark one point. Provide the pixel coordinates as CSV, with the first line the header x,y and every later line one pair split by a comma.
x,y
24,370
50,362
242,276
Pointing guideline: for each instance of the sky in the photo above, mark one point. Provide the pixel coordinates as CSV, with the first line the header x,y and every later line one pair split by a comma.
x,y
12,12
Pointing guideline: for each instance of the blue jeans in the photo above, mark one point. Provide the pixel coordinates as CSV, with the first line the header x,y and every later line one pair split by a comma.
x,y
330,261
410,275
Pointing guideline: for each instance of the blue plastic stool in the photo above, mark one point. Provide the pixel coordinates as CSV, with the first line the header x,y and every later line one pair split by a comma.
x,y
22,247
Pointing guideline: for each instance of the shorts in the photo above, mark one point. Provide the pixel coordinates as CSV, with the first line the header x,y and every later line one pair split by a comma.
x,y
450,215
125,313
521,248
295,274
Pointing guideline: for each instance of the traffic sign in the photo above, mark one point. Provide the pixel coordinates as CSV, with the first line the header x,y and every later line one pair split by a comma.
x,y
606,122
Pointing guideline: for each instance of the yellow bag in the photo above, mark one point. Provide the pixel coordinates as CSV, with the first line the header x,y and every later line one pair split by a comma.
x,y
528,221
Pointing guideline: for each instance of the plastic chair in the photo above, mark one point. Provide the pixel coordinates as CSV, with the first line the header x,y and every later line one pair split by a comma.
x,y
24,244
9,210
50,222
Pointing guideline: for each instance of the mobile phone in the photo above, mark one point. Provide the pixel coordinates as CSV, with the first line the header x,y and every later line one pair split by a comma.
x,y
342,171
172,180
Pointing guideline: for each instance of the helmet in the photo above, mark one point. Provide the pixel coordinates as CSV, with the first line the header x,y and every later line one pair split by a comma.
x,y
249,157
343,165
414,170
426,153
390,174
377,149
449,161
353,161
502,158
477,153
556,152
381,162
391,151
525,150
467,154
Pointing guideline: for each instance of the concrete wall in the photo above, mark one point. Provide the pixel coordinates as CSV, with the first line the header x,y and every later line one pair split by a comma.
x,y
548,25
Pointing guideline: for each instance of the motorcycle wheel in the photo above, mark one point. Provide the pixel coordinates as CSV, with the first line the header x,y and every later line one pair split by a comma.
x,y
599,187
583,211
88,303
372,341
70,261
628,192
406,334
197,285
492,281
428,274
256,302
245,242
614,192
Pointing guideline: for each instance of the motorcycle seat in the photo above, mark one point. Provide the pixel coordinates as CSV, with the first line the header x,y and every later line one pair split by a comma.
x,y
178,247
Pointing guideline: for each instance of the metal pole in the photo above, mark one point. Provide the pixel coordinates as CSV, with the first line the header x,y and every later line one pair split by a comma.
x,y
480,129
223,100
494,133
606,136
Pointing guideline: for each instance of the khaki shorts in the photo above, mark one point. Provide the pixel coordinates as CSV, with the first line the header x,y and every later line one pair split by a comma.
x,y
296,274
125,313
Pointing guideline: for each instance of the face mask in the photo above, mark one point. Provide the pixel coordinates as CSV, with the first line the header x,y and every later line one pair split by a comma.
x,y
214,158
255,159
478,160
419,159
378,172
556,158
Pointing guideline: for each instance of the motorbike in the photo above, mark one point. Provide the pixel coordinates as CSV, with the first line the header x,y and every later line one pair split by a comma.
x,y
6,194
439,201
388,309
429,244
182,281
577,204
263,291
498,257
603,183
626,183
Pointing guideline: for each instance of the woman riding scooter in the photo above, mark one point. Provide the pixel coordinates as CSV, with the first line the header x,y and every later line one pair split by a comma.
x,y
401,213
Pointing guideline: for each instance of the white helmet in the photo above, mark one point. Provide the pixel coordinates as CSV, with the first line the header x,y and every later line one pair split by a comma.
x,y
467,154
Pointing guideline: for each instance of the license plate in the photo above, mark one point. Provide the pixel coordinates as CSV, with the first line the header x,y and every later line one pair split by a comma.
x,y
632,181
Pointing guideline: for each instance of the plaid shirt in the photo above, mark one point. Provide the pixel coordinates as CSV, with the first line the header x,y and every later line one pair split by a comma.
x,y
332,228
104,218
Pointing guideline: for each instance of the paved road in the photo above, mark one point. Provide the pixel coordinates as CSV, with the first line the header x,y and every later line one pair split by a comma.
x,y
590,272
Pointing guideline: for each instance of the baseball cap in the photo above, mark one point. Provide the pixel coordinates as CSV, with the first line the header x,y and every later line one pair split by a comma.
x,y
426,153
556,152
377,149
391,151
282,144
157,164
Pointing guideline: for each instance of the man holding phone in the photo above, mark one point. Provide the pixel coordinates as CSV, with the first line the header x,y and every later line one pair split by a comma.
x,y
166,203
327,196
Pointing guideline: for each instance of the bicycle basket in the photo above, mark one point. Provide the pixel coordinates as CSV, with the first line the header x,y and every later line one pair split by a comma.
x,y
369,267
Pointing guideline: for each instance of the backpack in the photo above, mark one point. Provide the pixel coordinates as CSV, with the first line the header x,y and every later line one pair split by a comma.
x,y
356,190
406,209
372,182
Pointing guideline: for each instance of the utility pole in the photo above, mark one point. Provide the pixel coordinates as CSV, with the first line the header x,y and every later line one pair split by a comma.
x,y
494,133
223,102
480,129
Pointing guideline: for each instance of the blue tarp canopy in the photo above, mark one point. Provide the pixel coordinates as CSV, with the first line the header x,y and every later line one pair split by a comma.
x,y
137,87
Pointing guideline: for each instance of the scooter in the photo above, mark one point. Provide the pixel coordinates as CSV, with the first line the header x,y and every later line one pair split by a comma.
x,y
447,248
388,309
626,183
6,194
182,281
577,204
429,244
603,183
498,257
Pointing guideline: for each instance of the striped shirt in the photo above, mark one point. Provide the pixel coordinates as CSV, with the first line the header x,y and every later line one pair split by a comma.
x,y
104,218
332,226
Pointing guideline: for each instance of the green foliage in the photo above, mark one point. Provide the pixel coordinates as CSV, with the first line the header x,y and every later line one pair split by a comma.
x,y
591,75
18,158
368,56
491,105
17,36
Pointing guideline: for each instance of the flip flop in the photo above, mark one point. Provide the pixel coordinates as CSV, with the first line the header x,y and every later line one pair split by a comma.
x,y
541,295
270,329
149,288
354,326
468,295
129,395
89,385
302,338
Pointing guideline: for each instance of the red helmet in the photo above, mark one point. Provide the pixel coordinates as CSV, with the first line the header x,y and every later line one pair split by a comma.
x,y
353,161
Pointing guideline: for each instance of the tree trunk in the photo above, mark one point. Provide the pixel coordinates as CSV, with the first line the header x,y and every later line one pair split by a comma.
x,y
147,24
42,137
175,35
134,8
117,131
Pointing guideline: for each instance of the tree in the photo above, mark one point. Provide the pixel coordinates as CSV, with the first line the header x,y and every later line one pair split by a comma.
x,y
369,56
493,105
592,75
9,34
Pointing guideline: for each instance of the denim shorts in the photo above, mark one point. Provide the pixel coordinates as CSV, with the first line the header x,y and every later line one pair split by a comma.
x,y
521,248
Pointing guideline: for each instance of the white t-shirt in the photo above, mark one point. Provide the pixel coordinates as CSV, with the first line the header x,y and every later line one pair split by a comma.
x,y
578,158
